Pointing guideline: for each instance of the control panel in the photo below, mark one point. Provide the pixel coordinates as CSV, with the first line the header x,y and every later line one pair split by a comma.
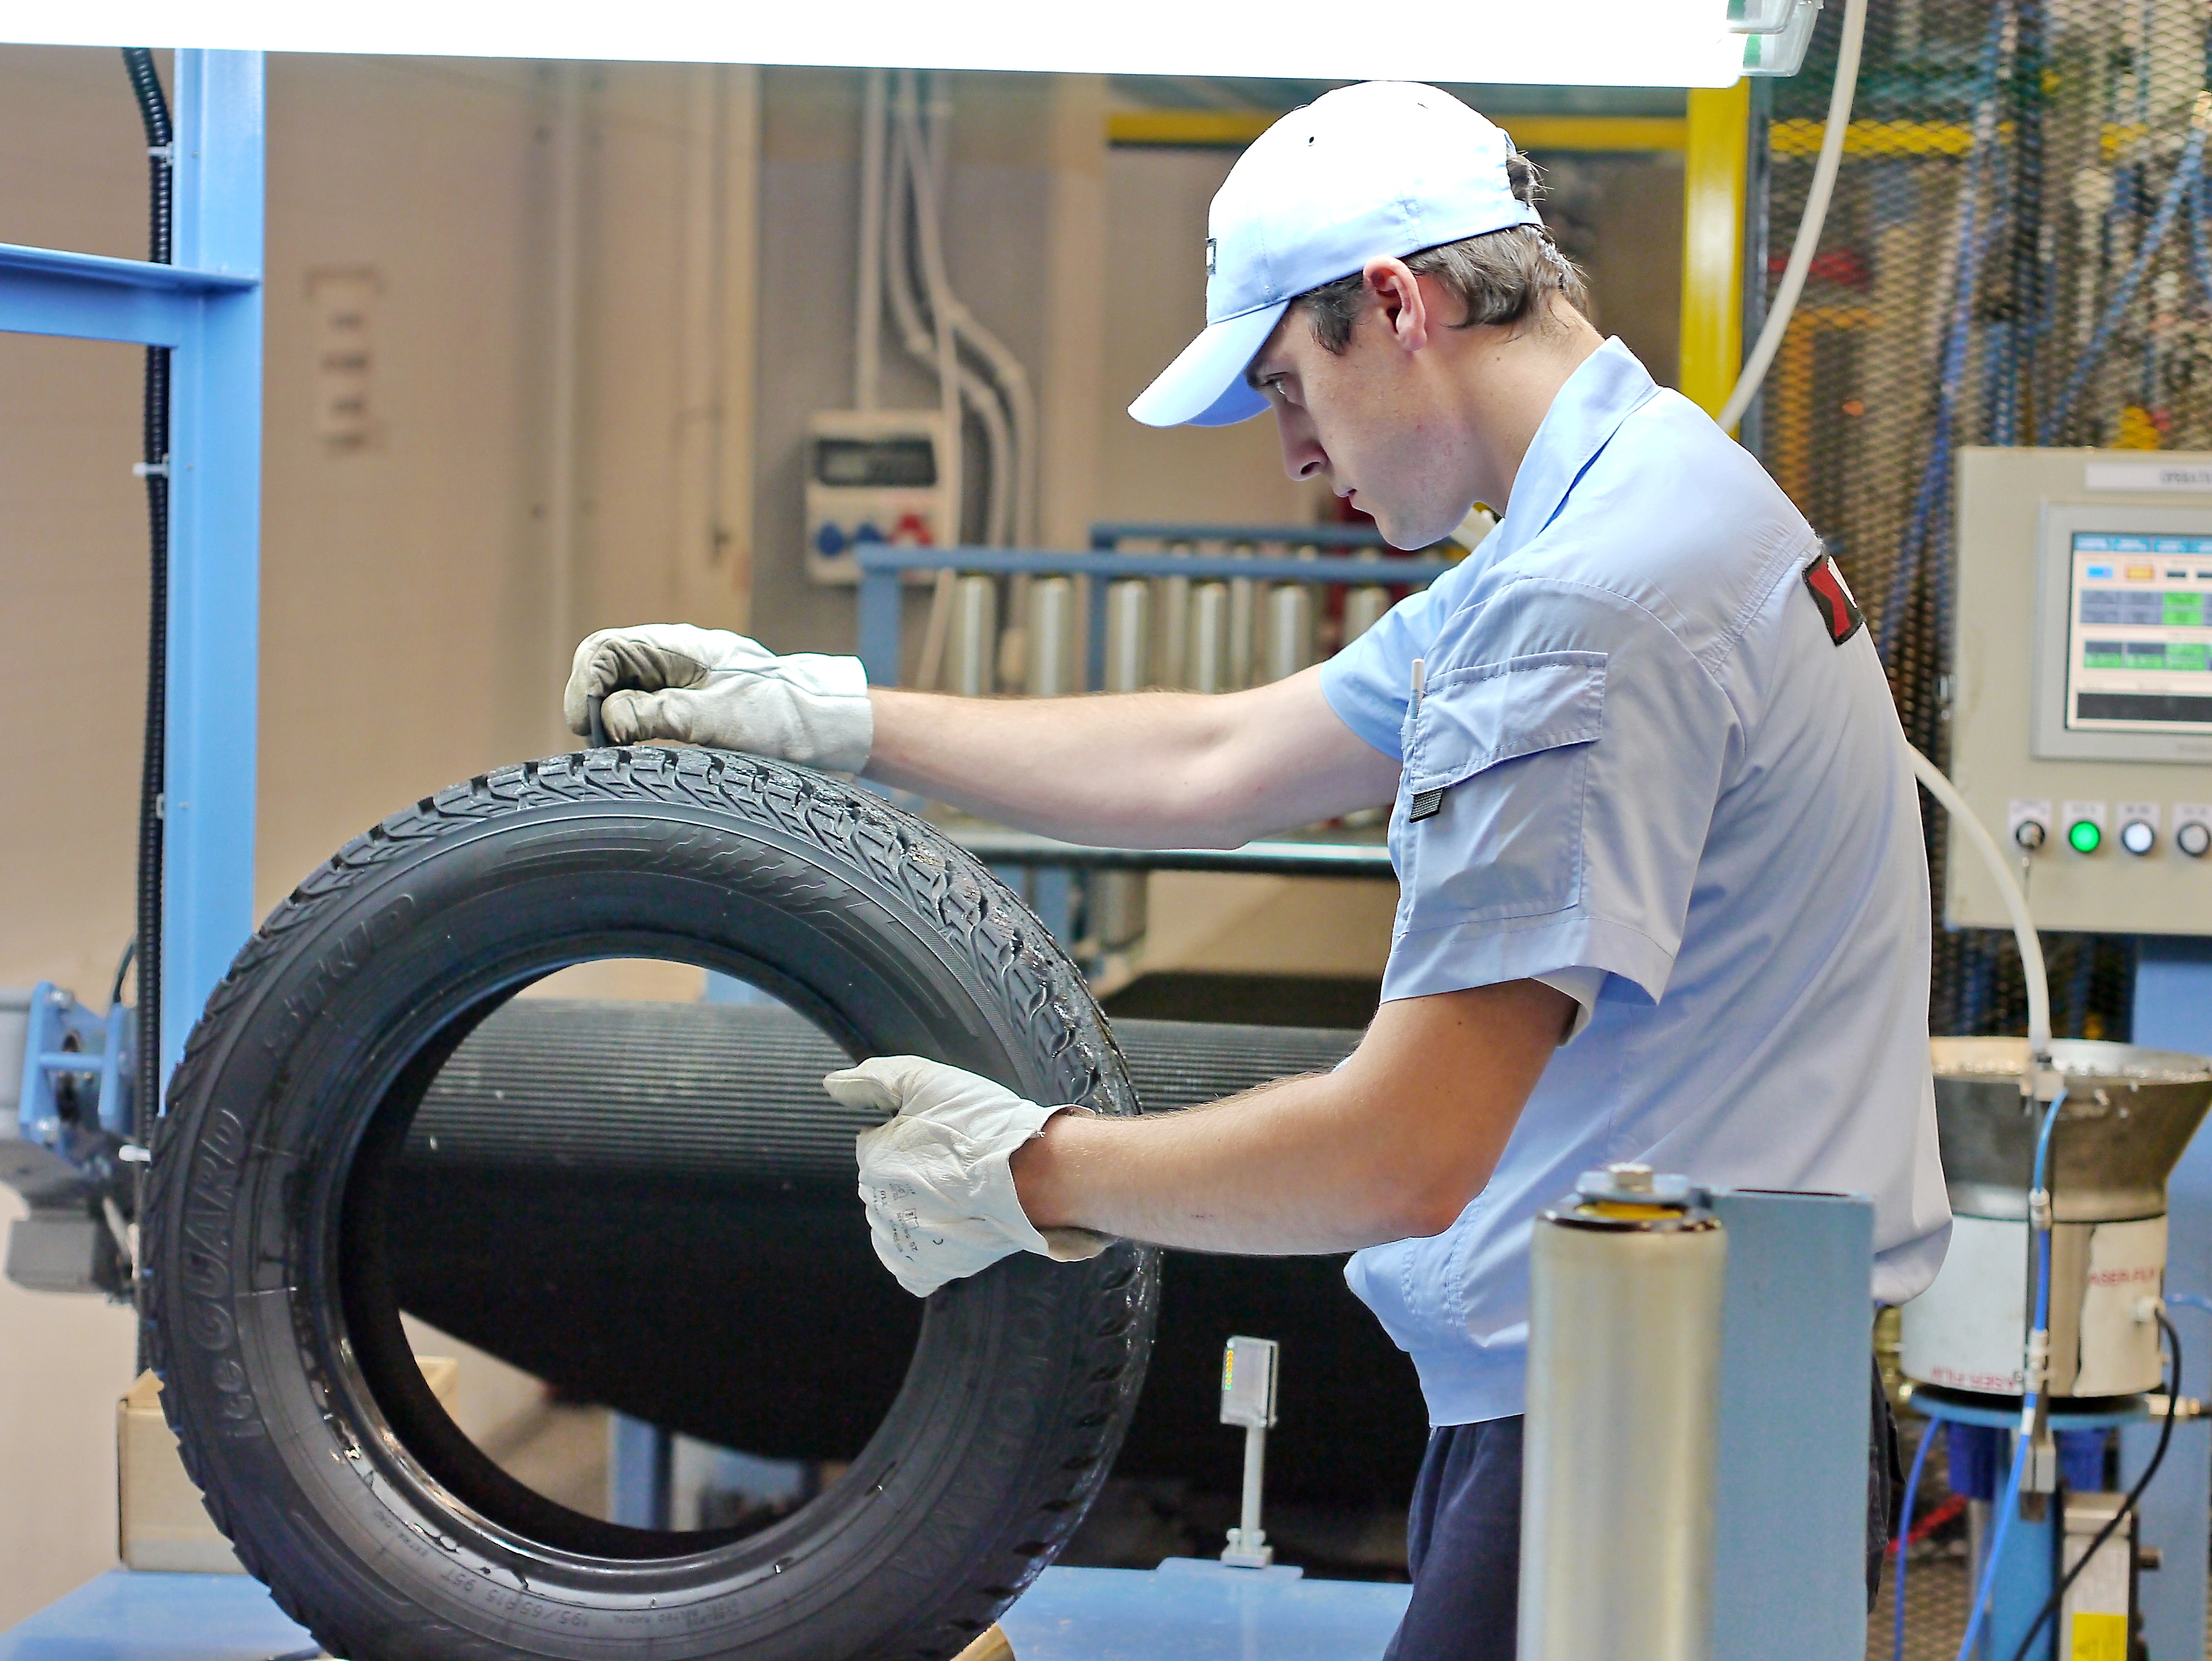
x,y
874,475
2080,694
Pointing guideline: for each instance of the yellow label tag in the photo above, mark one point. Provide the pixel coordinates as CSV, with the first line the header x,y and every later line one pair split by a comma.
x,y
2100,1637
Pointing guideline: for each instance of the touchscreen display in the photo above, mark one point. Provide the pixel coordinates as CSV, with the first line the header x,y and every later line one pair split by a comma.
x,y
2139,644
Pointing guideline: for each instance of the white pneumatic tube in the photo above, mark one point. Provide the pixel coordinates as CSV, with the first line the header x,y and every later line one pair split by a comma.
x,y
1624,1380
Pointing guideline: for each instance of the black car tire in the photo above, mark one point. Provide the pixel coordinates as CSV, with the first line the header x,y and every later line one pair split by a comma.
x,y
303,1417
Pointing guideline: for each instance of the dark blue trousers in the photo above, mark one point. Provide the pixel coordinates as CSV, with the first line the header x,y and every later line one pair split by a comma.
x,y
1463,1537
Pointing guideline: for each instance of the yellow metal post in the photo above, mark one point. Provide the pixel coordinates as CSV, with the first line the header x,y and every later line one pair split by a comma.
x,y
1715,162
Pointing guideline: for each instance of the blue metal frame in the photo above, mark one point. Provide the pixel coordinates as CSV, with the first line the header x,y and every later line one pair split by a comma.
x,y
1110,535
881,565
207,309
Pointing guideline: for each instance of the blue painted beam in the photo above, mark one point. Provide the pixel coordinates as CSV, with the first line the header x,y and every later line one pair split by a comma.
x,y
214,541
1108,532
1339,570
87,296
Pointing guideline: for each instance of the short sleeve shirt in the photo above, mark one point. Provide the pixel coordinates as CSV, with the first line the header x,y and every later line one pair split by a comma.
x,y
1645,761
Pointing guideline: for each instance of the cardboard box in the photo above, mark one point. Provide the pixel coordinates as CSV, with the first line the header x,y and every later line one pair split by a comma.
x,y
160,1523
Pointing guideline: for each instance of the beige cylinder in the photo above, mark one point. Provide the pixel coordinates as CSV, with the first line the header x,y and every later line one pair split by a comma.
x,y
1363,609
1051,671
1243,630
971,647
1118,899
1624,1382
1206,667
1128,636
1290,632
1171,653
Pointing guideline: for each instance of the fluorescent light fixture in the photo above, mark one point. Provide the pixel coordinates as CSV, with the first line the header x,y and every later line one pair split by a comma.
x,y
1599,43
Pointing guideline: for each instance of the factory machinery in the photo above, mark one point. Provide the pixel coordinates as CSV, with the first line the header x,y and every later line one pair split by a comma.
x,y
2080,720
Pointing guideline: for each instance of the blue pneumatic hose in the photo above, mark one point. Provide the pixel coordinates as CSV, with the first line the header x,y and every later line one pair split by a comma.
x,y
1904,1534
2039,1341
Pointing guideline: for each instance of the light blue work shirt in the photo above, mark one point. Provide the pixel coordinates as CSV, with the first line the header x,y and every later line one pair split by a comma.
x,y
1643,768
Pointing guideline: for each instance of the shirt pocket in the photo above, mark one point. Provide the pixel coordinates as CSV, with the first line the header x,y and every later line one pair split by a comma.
x,y
1487,824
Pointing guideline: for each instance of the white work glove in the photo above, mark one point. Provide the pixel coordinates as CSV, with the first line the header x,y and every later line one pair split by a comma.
x,y
937,1180
670,680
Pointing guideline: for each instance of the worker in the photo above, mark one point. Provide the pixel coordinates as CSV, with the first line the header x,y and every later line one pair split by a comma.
x,y
1663,894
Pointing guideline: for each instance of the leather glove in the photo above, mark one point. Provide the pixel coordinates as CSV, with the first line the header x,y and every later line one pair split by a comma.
x,y
937,1180
670,680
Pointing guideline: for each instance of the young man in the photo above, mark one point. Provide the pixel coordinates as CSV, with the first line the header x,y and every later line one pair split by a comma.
x,y
1662,894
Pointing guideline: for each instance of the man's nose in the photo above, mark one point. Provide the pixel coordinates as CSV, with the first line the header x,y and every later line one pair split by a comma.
x,y
1303,455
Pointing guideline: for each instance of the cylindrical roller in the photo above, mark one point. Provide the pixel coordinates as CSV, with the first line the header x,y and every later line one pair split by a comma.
x,y
1052,671
1118,899
1290,631
971,655
1128,636
1624,1382
1244,629
1171,606
1207,666
1363,609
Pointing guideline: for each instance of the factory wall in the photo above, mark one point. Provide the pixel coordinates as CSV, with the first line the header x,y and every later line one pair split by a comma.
x,y
408,636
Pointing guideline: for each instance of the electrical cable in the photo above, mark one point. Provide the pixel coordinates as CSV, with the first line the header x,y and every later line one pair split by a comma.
x,y
1904,1536
122,971
1810,226
2127,1509
160,157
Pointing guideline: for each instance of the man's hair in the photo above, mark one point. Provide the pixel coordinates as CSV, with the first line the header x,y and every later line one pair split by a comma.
x,y
1503,278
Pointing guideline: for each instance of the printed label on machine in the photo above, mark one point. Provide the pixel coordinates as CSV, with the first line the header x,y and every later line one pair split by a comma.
x,y
2127,1264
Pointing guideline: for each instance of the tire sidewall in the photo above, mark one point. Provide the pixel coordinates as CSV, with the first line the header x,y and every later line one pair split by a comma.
x,y
858,916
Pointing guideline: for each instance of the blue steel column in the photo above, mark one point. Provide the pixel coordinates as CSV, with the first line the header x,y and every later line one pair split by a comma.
x,y
2173,1011
214,517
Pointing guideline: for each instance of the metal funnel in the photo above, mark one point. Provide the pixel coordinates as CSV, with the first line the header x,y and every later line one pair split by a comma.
x,y
2129,1113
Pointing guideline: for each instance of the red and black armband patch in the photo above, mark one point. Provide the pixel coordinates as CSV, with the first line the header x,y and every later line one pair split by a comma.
x,y
1838,611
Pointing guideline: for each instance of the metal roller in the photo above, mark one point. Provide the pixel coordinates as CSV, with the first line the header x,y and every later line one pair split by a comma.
x,y
1244,629
1051,669
1206,669
1120,900
1128,636
732,1093
1289,615
1363,609
1624,1384
1171,606
972,649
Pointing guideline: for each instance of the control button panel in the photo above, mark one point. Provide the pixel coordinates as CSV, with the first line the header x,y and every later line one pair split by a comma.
x,y
2086,826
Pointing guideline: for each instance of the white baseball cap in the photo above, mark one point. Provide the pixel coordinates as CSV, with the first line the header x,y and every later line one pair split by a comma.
x,y
1378,170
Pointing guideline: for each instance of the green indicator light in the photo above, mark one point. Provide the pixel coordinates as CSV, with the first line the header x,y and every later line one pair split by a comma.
x,y
2084,836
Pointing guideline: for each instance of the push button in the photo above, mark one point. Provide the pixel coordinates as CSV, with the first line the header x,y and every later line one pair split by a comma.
x,y
2138,837
2194,838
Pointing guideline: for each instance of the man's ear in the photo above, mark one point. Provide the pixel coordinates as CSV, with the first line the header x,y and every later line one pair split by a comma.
x,y
1398,297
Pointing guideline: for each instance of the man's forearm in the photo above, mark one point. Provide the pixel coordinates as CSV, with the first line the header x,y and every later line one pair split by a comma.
x,y
1145,769
1393,1144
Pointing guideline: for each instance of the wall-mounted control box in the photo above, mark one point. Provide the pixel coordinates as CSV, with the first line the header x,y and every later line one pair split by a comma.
x,y
2081,686
874,476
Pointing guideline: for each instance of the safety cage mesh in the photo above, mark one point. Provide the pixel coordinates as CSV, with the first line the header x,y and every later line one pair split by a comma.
x,y
2018,252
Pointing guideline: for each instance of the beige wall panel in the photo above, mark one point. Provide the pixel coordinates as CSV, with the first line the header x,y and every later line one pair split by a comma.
x,y
1155,303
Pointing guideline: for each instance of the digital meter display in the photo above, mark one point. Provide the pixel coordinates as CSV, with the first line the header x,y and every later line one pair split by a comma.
x,y
2139,638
